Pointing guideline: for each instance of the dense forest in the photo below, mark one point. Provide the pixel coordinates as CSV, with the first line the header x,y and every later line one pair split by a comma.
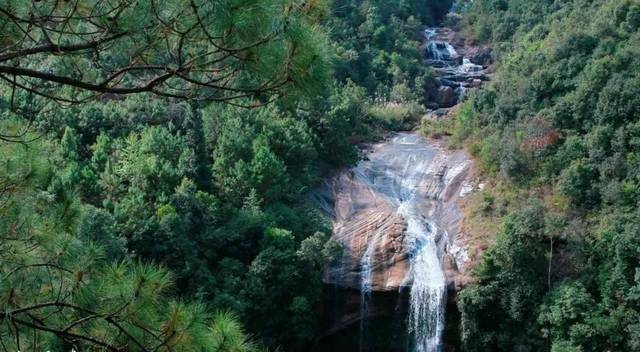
x,y
558,129
156,157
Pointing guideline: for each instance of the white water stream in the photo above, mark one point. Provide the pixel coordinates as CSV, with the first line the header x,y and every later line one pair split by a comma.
x,y
411,179
402,173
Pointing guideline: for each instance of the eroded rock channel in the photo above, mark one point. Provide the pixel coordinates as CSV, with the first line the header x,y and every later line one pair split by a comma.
x,y
396,215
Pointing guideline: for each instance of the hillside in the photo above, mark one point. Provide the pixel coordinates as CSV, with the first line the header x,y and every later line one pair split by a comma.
x,y
309,175
556,131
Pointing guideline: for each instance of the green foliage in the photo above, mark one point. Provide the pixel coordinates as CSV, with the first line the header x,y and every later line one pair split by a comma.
x,y
383,56
559,122
498,311
576,183
214,193
265,150
436,128
289,279
346,109
173,48
570,305
397,117
67,283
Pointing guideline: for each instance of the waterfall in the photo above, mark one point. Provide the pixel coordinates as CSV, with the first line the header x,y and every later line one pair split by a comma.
x,y
397,175
451,67
428,292
391,213
430,33
469,67
366,270
410,167
366,280
406,176
428,289
439,50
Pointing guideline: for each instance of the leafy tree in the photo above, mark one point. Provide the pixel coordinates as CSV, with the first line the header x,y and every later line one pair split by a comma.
x,y
282,276
59,290
215,193
571,64
511,278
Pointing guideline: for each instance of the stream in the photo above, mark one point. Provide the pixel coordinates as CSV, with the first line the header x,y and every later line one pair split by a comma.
x,y
396,215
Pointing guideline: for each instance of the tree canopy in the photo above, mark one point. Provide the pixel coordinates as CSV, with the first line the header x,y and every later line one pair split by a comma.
x,y
139,212
71,51
559,124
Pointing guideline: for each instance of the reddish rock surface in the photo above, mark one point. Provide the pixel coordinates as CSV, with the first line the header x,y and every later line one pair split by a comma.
x,y
362,217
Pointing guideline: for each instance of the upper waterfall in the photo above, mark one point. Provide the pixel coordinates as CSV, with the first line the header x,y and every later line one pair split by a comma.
x,y
457,68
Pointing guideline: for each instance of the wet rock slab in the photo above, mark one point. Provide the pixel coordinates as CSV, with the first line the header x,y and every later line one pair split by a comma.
x,y
364,204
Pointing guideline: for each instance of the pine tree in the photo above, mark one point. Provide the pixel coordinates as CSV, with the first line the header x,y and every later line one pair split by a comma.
x,y
60,291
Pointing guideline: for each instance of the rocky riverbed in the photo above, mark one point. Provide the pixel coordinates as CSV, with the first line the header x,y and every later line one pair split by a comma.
x,y
458,66
397,217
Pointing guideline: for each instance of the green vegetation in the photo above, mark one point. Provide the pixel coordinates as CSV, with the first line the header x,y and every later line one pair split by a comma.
x,y
129,220
176,49
377,43
68,283
558,123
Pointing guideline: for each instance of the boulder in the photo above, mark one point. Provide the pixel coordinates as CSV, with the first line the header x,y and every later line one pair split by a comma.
x,y
446,97
480,55
431,105
476,83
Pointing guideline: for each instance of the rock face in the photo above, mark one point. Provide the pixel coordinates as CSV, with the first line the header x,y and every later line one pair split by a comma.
x,y
357,230
364,220
393,214
364,204
480,55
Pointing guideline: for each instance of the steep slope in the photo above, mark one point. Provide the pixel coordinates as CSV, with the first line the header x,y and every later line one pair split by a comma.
x,y
557,133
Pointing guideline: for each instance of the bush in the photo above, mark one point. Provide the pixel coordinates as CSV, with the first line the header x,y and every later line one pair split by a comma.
x,y
396,116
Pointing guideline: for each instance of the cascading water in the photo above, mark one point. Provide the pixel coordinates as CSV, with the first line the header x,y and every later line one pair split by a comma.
x,y
392,214
399,174
469,67
438,51
428,292
428,289
366,279
451,67
441,51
